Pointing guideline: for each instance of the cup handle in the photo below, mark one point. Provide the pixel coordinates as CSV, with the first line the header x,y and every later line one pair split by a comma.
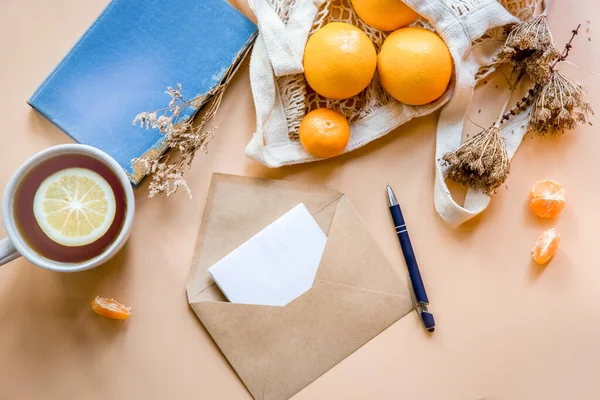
x,y
7,251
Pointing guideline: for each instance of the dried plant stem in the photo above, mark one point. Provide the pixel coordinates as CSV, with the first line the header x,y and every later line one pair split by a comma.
x,y
502,117
580,67
521,105
565,54
546,4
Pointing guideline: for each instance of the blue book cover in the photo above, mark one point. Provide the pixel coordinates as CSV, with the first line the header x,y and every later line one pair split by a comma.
x,y
126,60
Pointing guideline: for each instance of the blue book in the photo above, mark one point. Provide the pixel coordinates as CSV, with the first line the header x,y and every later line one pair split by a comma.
x,y
125,61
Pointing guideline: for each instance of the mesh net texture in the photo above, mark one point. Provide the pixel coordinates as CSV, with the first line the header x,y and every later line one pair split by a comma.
x,y
299,99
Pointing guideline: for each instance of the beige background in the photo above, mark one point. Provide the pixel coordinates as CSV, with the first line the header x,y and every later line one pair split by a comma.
x,y
506,328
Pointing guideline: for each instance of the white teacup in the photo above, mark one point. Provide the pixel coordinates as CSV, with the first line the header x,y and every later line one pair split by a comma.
x,y
15,246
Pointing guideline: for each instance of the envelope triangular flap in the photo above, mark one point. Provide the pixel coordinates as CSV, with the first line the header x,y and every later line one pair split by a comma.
x,y
329,323
243,333
239,207
353,258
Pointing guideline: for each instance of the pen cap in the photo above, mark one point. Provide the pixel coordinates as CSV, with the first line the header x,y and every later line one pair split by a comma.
x,y
428,321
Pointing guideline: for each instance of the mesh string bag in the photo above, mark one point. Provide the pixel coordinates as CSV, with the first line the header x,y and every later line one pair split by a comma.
x,y
470,28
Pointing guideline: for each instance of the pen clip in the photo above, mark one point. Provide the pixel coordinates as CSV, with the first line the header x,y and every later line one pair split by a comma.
x,y
413,297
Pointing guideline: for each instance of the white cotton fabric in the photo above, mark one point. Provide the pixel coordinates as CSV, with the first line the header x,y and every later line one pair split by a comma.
x,y
282,97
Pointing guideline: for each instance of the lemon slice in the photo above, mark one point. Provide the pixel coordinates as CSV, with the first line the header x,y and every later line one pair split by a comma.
x,y
74,206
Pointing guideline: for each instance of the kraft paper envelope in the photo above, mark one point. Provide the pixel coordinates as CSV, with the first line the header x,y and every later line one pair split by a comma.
x,y
277,351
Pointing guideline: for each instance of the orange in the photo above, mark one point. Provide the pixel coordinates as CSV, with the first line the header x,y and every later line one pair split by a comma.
x,y
547,199
339,61
415,66
110,308
324,133
546,246
385,15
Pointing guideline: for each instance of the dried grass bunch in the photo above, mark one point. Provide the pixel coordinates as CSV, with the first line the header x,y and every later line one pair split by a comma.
x,y
529,47
183,138
560,105
555,104
481,162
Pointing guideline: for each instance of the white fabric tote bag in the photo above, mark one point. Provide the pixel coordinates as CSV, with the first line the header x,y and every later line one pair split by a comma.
x,y
282,96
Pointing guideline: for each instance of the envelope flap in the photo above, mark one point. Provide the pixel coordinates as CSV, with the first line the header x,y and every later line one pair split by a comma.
x,y
277,351
242,332
239,207
321,328
353,258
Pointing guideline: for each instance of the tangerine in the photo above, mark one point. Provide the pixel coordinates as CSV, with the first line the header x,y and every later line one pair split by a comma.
x,y
547,199
110,308
324,133
339,61
385,15
415,66
546,246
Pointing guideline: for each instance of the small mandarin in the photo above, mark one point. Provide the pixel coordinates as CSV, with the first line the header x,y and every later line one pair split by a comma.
x,y
545,247
547,199
324,133
385,15
110,308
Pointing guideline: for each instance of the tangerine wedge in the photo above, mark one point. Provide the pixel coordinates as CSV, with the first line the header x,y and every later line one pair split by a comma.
x,y
110,308
545,247
547,199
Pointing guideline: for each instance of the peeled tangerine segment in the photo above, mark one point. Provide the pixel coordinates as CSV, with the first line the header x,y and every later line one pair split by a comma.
x,y
110,308
546,246
74,206
547,199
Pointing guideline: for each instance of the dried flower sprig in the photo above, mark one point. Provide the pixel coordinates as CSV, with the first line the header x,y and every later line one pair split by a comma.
x,y
480,163
530,47
559,103
184,137
560,106
531,35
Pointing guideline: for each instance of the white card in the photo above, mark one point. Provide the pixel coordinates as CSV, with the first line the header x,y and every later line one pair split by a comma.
x,y
276,265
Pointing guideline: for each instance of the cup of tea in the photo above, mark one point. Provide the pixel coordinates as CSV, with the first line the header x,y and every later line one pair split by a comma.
x,y
68,208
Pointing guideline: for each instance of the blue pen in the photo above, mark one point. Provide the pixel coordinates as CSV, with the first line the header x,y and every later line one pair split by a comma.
x,y
420,300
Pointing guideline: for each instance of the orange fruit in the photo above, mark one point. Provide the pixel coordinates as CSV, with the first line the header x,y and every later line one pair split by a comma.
x,y
110,308
385,15
339,61
547,199
546,246
324,133
414,66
